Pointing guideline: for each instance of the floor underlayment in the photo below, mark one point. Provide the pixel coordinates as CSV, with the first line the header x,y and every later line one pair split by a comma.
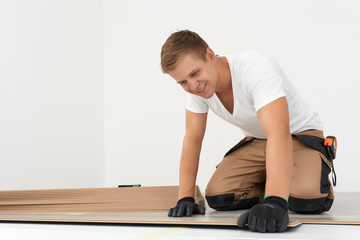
x,y
345,210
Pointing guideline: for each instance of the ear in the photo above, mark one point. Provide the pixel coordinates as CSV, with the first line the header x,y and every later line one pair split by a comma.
x,y
210,55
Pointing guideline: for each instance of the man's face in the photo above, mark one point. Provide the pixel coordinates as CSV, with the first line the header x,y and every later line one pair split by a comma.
x,y
195,75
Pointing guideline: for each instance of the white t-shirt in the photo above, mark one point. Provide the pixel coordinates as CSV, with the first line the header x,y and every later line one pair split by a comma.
x,y
257,80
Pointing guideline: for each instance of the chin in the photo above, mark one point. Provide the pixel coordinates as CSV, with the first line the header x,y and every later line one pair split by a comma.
x,y
208,95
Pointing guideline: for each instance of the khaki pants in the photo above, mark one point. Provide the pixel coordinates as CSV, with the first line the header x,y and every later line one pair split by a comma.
x,y
239,180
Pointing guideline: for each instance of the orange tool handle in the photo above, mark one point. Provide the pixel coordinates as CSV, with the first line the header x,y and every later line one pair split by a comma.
x,y
331,143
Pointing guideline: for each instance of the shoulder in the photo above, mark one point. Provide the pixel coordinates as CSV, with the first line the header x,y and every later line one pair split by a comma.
x,y
244,60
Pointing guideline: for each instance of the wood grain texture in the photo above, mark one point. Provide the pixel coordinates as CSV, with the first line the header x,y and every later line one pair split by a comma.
x,y
208,219
345,210
93,199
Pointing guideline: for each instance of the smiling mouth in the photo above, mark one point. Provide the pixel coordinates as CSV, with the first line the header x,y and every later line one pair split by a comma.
x,y
202,89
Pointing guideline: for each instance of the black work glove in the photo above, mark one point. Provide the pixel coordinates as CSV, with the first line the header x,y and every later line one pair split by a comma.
x,y
186,207
271,216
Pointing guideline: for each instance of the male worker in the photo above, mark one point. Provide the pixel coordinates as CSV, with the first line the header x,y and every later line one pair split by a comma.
x,y
276,166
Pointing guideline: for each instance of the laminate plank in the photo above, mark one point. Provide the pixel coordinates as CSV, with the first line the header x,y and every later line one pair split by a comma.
x,y
114,206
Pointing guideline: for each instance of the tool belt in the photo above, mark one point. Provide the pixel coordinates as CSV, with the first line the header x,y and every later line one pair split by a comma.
x,y
328,150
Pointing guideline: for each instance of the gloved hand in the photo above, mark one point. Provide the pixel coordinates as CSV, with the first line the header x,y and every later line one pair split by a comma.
x,y
271,216
186,207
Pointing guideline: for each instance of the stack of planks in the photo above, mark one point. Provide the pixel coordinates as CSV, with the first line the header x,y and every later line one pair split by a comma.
x,y
121,199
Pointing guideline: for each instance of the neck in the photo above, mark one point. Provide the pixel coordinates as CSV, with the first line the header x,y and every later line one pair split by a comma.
x,y
224,82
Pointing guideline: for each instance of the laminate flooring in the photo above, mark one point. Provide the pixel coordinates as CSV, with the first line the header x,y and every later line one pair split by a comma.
x,y
345,211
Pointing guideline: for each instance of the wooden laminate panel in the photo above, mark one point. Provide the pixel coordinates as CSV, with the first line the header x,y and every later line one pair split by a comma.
x,y
345,210
93,199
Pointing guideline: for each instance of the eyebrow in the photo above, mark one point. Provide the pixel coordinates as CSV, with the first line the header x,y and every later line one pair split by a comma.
x,y
191,73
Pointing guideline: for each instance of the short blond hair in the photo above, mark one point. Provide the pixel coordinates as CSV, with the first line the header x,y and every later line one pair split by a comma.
x,y
178,44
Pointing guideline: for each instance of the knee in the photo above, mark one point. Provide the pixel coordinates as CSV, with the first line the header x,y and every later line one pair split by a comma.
x,y
220,202
217,198
310,206
225,202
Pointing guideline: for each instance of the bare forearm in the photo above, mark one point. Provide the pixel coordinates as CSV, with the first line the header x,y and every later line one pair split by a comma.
x,y
279,163
189,166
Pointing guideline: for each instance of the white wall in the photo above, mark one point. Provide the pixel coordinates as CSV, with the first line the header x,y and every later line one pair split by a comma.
x,y
316,43
65,66
51,94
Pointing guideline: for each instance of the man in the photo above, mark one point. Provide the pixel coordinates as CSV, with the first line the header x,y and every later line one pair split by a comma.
x,y
276,166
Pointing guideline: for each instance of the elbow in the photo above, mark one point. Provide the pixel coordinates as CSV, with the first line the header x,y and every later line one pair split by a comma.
x,y
282,136
193,138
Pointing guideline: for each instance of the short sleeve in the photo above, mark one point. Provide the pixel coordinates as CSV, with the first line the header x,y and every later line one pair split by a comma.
x,y
264,81
196,104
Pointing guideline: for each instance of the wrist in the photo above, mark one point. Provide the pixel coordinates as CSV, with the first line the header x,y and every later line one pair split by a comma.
x,y
277,200
186,199
186,192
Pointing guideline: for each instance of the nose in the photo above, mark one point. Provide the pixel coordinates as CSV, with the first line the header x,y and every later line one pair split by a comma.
x,y
193,85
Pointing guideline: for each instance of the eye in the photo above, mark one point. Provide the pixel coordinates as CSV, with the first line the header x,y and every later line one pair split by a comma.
x,y
182,82
194,74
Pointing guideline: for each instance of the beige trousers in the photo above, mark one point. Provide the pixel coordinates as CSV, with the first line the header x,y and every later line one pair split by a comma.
x,y
242,174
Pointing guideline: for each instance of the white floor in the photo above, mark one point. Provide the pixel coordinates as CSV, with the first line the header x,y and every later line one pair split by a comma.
x,y
40,231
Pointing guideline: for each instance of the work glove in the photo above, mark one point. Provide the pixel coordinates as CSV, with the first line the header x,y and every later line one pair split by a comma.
x,y
270,216
186,207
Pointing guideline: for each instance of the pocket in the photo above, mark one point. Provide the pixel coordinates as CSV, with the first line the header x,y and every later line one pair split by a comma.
x,y
326,167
